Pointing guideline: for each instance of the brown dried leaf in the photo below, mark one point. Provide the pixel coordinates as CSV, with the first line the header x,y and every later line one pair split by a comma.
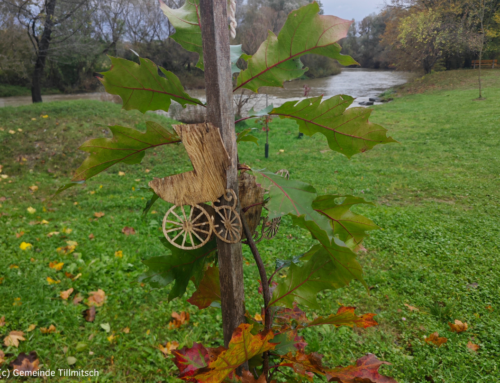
x,y
365,371
13,338
247,377
26,365
126,330
89,314
473,347
91,236
65,294
168,348
96,298
128,230
2,357
179,320
31,327
458,326
99,214
2,321
20,234
50,330
411,308
436,339
77,299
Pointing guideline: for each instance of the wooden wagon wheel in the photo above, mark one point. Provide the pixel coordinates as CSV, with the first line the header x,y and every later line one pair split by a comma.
x,y
228,227
186,227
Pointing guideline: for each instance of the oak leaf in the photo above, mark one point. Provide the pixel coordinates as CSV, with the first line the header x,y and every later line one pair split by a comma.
x,y
345,316
365,370
96,298
168,348
208,290
285,315
190,360
65,294
247,377
26,365
13,338
50,330
473,347
128,230
458,326
304,364
436,339
242,347
179,320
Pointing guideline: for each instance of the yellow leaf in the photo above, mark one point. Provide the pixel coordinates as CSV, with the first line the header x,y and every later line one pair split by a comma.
x,y
52,233
112,337
72,243
147,332
154,212
92,192
258,317
168,348
31,327
458,326
121,174
12,340
12,131
44,222
49,330
119,254
31,210
99,214
52,282
147,170
46,116
13,267
25,246
75,203
56,266
126,330
65,294
66,230
33,188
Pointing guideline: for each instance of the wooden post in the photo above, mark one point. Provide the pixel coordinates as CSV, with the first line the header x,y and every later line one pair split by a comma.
x,y
219,90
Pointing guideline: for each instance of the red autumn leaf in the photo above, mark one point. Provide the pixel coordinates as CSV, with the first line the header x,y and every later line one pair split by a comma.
x,y
242,347
128,230
458,326
345,316
25,365
190,360
208,290
365,370
89,314
247,377
285,315
304,364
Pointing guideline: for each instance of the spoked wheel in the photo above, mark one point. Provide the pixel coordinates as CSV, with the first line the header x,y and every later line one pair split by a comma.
x,y
228,227
187,227
270,228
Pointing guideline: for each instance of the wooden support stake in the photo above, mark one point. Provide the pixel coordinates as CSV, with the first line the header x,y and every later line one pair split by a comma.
x,y
218,82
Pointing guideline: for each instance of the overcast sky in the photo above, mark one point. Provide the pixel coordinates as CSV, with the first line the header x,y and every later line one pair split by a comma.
x,y
352,9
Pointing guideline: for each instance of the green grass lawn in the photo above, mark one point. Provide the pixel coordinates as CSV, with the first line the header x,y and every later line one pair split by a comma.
x,y
437,195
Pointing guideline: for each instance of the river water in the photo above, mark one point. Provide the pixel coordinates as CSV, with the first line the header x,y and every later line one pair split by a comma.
x,y
359,83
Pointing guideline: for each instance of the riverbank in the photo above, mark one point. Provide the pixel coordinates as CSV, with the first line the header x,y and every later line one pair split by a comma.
x,y
436,192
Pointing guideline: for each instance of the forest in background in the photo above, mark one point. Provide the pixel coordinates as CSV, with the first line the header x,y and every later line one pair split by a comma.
x,y
416,35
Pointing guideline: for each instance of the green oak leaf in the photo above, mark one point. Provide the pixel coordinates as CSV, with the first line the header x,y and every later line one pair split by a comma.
x,y
141,87
305,32
187,23
348,226
127,145
235,52
149,204
328,265
290,197
180,266
348,131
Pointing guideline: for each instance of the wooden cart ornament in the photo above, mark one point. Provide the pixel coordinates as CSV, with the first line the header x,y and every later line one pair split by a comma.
x,y
191,228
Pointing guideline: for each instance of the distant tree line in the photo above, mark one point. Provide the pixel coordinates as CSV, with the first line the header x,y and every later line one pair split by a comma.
x,y
62,43
426,35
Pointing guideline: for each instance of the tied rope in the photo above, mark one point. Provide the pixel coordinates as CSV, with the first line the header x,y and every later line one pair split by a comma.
x,y
232,18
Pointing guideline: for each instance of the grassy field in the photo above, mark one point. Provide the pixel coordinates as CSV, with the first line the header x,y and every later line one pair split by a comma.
x,y
437,195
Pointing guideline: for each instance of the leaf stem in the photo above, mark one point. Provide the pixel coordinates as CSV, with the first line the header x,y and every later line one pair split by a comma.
x,y
265,286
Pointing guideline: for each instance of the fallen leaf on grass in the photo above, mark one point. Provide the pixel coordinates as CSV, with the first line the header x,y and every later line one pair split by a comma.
x,y
119,254
71,360
96,298
121,174
411,308
33,188
25,246
77,299
31,210
179,320
365,370
56,266
2,357
31,327
66,249
91,236
2,321
436,339
65,294
20,234
13,338
126,330
67,230
106,327
128,230
26,365
458,326
89,314
473,347
168,348
52,281
112,338
52,329
52,233
13,267
99,214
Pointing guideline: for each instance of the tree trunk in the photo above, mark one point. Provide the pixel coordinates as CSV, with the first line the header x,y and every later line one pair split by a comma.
x,y
219,91
43,47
